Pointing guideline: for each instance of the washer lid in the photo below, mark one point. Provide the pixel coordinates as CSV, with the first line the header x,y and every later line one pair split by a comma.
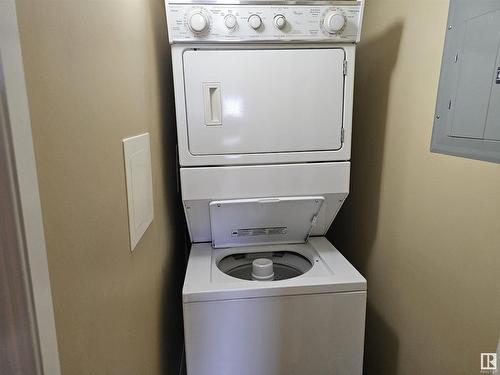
x,y
257,221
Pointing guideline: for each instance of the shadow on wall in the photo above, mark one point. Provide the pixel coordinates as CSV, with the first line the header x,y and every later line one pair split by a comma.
x,y
381,346
355,229
172,344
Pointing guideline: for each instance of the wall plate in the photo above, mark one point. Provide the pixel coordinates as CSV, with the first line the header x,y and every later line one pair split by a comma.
x,y
138,175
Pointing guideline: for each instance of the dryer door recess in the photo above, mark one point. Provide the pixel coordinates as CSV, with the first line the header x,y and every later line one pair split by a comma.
x,y
277,220
264,101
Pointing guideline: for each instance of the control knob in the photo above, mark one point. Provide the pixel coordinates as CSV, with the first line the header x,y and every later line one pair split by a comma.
x,y
334,22
254,21
198,22
230,21
279,21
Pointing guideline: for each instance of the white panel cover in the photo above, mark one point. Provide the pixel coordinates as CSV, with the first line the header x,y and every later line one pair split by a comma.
x,y
266,220
138,176
201,186
263,101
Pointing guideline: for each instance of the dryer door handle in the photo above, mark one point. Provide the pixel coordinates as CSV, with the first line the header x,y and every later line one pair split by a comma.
x,y
212,103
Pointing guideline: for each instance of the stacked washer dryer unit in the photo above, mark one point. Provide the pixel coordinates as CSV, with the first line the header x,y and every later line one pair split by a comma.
x,y
263,95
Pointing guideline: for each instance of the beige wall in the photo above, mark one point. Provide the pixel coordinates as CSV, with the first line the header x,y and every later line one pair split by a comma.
x,y
97,72
423,228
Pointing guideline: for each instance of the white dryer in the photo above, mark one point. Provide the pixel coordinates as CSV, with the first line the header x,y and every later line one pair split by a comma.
x,y
263,95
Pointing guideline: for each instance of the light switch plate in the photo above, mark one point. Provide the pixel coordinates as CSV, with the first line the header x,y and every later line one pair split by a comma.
x,y
138,175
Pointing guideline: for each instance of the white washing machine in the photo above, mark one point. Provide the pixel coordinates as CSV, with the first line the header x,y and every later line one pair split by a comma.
x,y
263,93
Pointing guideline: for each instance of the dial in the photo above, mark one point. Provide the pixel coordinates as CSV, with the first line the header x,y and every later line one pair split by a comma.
x,y
254,21
279,21
334,22
198,22
230,21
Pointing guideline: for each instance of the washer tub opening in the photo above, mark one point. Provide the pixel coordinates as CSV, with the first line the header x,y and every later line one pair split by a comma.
x,y
286,264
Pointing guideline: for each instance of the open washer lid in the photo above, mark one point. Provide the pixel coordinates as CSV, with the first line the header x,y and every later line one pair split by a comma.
x,y
258,221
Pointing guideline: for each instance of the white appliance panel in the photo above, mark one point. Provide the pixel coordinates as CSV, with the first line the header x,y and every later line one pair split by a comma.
x,y
237,222
187,158
287,335
203,185
264,101
300,22
331,274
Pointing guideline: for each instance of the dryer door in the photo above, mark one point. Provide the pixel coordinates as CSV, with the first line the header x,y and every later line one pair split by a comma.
x,y
264,101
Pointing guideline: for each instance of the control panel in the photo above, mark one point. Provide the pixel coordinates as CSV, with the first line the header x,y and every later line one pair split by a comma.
x,y
327,22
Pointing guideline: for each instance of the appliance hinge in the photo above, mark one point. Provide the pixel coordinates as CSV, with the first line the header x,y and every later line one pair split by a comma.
x,y
345,67
314,221
342,135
